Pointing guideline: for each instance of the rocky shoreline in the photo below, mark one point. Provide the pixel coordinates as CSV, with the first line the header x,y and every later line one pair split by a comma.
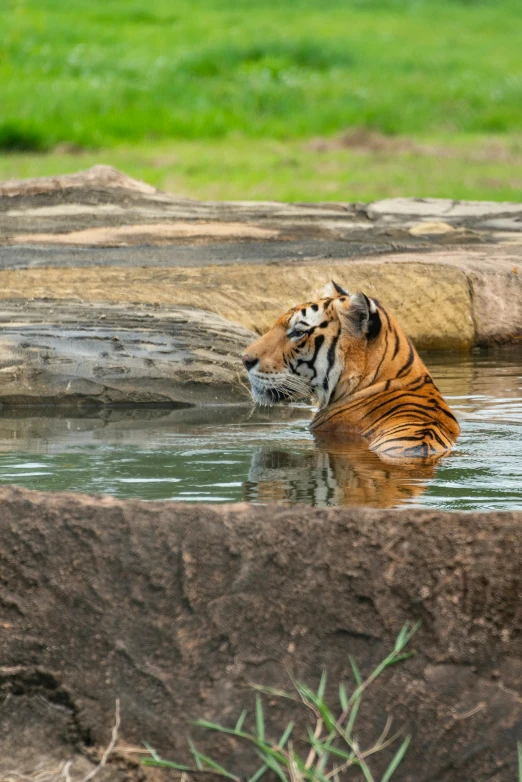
x,y
99,241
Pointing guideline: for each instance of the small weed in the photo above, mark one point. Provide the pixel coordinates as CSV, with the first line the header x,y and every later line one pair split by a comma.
x,y
330,748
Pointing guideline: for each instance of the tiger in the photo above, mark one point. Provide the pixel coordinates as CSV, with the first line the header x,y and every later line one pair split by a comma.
x,y
348,353
335,477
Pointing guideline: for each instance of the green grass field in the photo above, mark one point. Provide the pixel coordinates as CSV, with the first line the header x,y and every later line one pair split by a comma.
x,y
222,98
240,169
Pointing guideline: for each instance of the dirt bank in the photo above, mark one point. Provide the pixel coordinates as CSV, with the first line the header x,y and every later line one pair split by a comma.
x,y
171,607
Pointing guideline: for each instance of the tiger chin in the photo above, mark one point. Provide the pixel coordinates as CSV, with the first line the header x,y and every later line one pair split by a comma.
x,y
349,354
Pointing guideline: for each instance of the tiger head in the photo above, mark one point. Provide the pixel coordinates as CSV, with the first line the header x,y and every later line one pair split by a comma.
x,y
315,348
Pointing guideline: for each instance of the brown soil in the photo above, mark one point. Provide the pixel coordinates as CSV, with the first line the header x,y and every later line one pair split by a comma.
x,y
373,141
366,140
172,607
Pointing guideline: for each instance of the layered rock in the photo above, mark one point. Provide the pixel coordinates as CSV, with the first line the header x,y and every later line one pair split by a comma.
x,y
71,354
448,269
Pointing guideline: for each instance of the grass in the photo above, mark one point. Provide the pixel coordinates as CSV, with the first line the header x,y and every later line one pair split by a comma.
x,y
327,750
221,98
97,73
238,168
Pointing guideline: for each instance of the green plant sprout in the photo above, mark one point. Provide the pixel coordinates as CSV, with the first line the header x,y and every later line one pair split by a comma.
x,y
331,748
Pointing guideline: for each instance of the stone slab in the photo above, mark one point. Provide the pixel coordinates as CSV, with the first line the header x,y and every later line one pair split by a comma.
x,y
431,301
102,198
447,208
447,269
171,608
190,254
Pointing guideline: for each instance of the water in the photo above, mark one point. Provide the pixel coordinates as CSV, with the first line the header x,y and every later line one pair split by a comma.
x,y
232,453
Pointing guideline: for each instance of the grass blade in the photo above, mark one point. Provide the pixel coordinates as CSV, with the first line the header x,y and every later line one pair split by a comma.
x,y
286,735
351,719
322,686
216,767
519,748
241,720
366,771
260,720
355,670
326,747
276,768
356,697
396,759
259,773
343,697
218,728
195,754
268,750
404,656
405,636
310,697
307,694
272,691
308,773
152,751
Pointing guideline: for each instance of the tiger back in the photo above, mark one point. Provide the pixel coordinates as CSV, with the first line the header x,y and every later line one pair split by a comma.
x,y
350,354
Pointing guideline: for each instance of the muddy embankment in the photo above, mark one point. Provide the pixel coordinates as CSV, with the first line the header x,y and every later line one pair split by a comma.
x,y
171,608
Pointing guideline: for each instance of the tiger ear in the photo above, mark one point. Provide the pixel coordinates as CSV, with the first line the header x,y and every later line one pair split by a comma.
x,y
333,289
361,316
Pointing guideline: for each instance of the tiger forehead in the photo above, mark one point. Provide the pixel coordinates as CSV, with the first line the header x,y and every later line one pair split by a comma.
x,y
311,314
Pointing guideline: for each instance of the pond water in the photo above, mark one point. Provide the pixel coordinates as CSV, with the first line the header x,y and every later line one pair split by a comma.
x,y
235,453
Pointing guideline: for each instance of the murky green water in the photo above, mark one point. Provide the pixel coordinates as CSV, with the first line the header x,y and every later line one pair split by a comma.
x,y
232,453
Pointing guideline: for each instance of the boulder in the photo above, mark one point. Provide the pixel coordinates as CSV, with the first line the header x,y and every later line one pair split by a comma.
x,y
69,354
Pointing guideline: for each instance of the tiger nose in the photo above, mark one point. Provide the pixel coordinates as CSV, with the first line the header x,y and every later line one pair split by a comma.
x,y
249,362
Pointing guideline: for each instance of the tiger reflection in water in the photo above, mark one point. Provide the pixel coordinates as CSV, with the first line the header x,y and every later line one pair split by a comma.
x,y
335,477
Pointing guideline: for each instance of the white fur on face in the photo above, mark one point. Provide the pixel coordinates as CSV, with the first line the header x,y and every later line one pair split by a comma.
x,y
268,389
317,362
